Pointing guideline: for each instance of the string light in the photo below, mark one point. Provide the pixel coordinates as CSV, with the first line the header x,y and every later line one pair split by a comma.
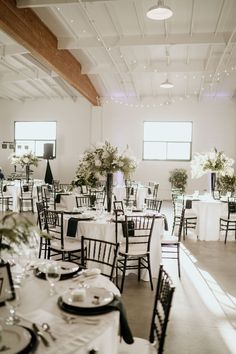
x,y
166,102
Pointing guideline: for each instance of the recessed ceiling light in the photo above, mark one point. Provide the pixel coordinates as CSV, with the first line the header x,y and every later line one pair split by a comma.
x,y
159,11
166,84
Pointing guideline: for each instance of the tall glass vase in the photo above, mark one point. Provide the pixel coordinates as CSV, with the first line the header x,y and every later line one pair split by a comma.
x,y
27,172
109,183
212,182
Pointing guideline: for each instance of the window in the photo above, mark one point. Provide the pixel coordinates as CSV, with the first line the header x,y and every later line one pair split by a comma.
x,y
31,136
167,140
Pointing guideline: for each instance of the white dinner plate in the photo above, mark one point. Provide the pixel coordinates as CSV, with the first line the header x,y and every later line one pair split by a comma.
x,y
66,268
14,339
95,297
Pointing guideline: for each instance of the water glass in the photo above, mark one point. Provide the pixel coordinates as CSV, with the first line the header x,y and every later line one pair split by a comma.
x,y
12,301
53,275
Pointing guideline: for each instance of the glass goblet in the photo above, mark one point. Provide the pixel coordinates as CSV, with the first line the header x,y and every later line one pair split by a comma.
x,y
12,301
53,275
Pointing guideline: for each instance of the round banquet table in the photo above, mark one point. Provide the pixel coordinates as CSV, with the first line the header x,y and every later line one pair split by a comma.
x,y
88,332
208,212
104,228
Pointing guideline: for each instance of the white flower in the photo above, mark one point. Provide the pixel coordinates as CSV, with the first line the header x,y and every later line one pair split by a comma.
x,y
213,161
97,163
100,160
26,160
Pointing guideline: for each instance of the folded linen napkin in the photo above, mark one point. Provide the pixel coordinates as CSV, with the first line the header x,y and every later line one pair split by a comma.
x,y
125,331
165,222
26,188
58,198
72,227
188,204
130,228
4,188
115,305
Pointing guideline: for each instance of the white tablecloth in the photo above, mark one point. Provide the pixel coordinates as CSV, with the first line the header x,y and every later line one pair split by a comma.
x,y
37,306
208,211
67,202
105,229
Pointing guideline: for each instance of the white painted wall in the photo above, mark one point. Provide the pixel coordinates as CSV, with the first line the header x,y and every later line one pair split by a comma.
x,y
79,125
73,132
214,125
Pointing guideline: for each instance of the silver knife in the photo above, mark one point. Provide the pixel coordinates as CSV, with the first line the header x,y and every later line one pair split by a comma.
x,y
40,334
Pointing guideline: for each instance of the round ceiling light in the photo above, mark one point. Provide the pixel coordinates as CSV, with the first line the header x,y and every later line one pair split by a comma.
x,y
166,84
159,11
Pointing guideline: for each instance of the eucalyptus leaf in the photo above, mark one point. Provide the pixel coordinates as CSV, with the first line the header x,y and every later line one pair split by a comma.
x,y
16,229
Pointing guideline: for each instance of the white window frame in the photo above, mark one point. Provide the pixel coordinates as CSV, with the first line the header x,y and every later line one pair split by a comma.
x,y
167,143
32,142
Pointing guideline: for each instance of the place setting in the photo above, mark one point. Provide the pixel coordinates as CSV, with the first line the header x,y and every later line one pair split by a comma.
x,y
57,270
84,300
16,339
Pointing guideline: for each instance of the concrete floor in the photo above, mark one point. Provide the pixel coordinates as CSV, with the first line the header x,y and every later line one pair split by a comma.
x,y
203,313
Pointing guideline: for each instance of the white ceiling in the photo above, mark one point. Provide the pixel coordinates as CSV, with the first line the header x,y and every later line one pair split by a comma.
x,y
126,55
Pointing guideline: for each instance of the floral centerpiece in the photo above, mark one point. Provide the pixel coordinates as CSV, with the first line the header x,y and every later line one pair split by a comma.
x,y
178,178
215,162
103,160
25,160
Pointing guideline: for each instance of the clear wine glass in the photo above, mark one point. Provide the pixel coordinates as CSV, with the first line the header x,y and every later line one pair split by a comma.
x,y
53,275
12,301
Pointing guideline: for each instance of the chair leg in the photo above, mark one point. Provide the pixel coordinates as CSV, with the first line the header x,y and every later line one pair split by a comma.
x,y
173,227
226,232
123,275
139,269
149,271
178,260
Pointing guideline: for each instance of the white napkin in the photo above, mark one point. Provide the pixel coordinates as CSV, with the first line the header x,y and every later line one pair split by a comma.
x,y
91,272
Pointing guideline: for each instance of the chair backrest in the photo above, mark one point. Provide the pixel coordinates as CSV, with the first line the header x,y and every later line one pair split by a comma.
x,y
83,201
48,193
39,193
176,192
65,187
26,189
231,207
155,190
138,230
118,207
100,252
54,225
178,204
181,224
161,309
97,196
84,189
216,194
153,204
41,215
1,187
56,184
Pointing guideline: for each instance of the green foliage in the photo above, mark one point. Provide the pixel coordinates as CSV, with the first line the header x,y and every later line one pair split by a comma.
x,y
226,184
16,230
178,178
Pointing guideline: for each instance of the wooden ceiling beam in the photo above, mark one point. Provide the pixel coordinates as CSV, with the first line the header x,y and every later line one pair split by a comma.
x,y
26,28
